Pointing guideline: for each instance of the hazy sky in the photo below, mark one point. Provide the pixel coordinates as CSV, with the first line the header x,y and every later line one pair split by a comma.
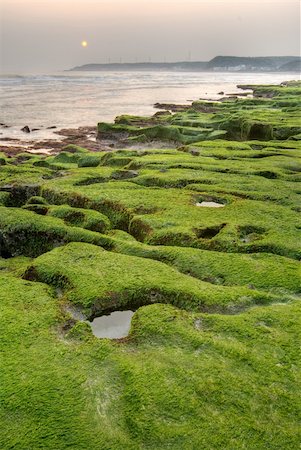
x,y
42,35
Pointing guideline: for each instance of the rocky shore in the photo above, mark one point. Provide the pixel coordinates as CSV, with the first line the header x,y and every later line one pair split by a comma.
x,y
51,139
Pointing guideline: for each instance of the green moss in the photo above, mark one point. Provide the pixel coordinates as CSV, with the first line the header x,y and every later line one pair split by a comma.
x,y
89,160
84,218
100,281
257,270
26,233
54,379
229,370
4,198
178,370
36,200
80,331
220,372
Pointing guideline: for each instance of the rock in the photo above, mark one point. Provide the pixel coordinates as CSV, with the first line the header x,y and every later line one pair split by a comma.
x,y
9,139
51,128
35,129
198,324
25,129
162,113
194,152
221,93
171,107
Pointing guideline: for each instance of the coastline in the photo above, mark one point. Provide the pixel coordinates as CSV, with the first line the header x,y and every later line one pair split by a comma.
x,y
54,139
83,99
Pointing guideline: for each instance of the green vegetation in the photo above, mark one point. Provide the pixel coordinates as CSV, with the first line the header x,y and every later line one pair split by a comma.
x,y
101,281
274,113
212,360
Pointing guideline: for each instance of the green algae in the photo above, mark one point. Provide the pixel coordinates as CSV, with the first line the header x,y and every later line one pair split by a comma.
x,y
212,358
101,281
178,370
273,113
26,233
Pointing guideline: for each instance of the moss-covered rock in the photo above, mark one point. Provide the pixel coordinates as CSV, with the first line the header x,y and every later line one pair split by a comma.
x,y
214,338
101,281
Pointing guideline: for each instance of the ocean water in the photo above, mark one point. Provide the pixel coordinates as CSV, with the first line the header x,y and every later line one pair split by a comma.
x,y
72,99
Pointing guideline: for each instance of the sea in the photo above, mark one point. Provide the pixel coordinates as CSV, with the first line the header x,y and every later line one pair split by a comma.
x,y
73,99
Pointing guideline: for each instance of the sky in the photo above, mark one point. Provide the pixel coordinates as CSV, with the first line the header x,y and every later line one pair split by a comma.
x,y
47,35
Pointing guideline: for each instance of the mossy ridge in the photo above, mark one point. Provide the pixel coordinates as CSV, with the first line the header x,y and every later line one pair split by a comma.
x,y
85,218
101,281
26,233
256,270
11,175
176,216
33,235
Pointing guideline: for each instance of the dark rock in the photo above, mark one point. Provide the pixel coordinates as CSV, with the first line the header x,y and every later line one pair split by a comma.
x,y
221,93
35,129
172,107
51,128
162,113
9,139
25,129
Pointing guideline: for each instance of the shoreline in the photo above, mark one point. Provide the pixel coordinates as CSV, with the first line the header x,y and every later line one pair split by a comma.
x,y
84,136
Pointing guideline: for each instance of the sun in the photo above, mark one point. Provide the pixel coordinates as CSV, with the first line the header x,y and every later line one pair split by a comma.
x,y
84,44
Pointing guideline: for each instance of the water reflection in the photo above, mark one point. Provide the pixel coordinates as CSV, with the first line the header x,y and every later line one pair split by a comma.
x,y
115,325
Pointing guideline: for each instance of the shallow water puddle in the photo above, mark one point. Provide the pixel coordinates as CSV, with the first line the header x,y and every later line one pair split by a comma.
x,y
210,204
115,325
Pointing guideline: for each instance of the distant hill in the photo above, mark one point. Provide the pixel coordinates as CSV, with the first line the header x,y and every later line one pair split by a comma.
x,y
219,63
263,63
184,65
291,66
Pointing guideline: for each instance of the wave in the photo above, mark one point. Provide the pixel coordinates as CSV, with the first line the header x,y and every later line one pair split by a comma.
x,y
11,76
